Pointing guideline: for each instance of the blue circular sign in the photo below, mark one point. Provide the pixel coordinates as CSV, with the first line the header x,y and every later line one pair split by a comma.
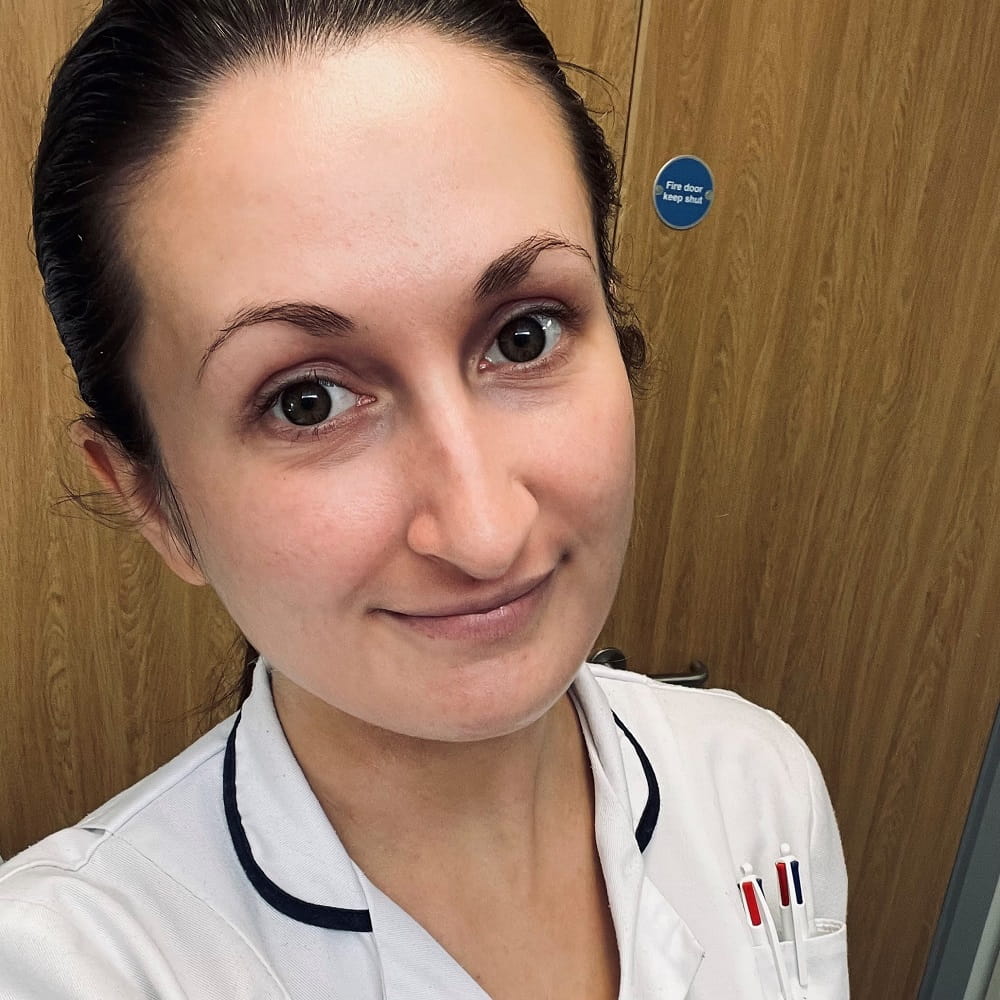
x,y
683,192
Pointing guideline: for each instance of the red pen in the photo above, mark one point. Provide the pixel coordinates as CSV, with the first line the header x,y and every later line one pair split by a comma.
x,y
762,926
751,904
783,868
793,902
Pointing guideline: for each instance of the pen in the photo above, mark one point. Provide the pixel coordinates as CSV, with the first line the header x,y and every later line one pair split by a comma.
x,y
751,905
790,887
762,925
783,869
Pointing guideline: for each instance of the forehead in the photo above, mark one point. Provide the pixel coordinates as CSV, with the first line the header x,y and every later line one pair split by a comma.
x,y
405,156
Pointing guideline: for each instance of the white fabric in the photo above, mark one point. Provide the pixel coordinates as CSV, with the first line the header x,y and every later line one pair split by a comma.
x,y
147,898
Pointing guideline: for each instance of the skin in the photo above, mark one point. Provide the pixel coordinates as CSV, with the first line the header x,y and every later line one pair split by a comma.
x,y
380,182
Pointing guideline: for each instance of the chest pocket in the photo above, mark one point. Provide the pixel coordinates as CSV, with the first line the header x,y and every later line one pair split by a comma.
x,y
827,965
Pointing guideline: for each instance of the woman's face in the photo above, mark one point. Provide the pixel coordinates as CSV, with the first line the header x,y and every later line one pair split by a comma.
x,y
384,382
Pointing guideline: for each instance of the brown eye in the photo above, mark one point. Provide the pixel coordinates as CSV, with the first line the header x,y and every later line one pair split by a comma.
x,y
311,402
525,339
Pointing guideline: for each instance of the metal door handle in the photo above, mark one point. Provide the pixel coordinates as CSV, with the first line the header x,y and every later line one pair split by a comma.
x,y
696,676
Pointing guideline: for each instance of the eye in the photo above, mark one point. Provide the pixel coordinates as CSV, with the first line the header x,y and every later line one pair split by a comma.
x,y
525,338
311,401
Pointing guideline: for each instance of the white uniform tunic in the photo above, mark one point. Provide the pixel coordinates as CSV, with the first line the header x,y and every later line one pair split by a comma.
x,y
219,876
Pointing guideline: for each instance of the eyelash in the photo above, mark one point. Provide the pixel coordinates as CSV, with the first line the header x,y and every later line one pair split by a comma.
x,y
569,317
263,405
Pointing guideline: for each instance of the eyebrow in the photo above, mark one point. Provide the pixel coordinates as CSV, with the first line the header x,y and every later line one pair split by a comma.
x,y
502,274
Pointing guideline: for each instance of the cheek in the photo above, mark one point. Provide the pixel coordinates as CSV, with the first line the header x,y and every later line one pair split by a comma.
x,y
286,541
587,452
279,543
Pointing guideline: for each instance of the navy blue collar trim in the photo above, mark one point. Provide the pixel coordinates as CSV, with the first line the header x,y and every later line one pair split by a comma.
x,y
338,918
651,813
332,917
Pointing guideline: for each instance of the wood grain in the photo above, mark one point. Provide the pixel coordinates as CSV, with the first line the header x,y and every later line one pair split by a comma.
x,y
600,38
819,460
107,658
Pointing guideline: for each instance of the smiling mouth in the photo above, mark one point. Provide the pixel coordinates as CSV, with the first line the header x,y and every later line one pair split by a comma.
x,y
493,617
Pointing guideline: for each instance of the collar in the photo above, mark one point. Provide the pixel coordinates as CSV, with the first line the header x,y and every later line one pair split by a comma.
x,y
658,954
282,838
293,858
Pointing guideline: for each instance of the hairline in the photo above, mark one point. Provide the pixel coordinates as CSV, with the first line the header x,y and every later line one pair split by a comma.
x,y
126,187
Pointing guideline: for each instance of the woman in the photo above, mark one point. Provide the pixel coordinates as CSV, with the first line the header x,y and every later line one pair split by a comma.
x,y
335,277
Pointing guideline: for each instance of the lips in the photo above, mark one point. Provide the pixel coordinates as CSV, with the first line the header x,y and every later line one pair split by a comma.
x,y
494,616
482,605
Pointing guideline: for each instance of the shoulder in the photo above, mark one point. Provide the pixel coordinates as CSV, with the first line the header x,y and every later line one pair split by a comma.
x,y
70,925
735,768
740,750
75,878
77,847
699,721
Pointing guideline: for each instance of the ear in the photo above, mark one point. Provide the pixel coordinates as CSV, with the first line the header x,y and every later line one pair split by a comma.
x,y
125,482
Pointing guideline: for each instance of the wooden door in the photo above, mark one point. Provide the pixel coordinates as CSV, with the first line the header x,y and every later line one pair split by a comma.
x,y
818,458
104,656
819,474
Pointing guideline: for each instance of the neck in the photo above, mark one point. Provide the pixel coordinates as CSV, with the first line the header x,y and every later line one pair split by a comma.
x,y
394,797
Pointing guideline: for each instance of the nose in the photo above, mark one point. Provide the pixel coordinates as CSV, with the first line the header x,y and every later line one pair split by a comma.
x,y
471,508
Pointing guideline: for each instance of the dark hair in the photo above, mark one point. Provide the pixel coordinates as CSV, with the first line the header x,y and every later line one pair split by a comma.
x,y
136,76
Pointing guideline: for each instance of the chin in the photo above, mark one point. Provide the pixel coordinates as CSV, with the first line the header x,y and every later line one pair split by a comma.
x,y
497,726
496,701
